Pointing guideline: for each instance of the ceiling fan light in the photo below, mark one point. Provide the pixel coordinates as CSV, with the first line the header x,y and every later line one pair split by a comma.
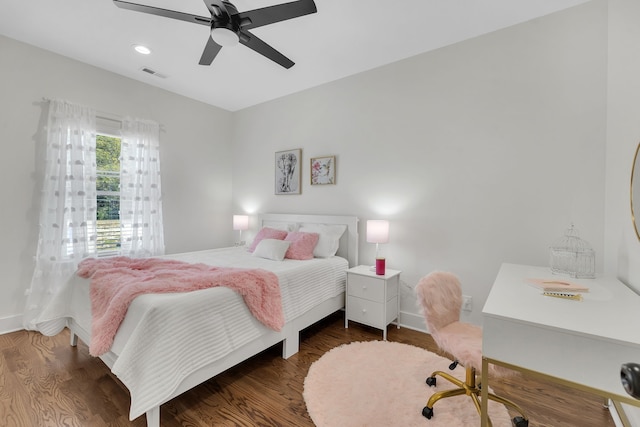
x,y
224,37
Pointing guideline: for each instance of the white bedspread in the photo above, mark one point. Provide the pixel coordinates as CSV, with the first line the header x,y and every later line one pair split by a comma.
x,y
166,337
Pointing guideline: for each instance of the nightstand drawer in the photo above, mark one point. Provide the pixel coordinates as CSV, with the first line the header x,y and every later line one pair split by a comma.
x,y
366,312
365,287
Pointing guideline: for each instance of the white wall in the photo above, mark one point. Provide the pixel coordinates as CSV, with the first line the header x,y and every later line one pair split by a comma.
x,y
195,157
623,135
479,153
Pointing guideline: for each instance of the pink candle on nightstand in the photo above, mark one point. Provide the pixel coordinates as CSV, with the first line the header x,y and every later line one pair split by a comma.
x,y
380,264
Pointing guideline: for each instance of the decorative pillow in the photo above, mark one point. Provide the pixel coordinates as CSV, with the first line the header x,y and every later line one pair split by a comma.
x,y
302,245
329,240
267,233
273,249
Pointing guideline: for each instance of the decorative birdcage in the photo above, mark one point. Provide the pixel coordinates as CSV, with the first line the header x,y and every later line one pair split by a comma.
x,y
573,256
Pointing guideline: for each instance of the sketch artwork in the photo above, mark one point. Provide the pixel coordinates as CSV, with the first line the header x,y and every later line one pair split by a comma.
x,y
287,170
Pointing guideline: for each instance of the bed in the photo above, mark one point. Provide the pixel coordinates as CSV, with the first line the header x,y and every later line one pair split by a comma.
x,y
148,352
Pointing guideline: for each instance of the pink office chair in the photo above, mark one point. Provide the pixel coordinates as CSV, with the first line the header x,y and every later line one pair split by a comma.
x,y
440,296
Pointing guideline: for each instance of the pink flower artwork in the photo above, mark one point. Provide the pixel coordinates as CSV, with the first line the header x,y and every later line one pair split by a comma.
x,y
323,170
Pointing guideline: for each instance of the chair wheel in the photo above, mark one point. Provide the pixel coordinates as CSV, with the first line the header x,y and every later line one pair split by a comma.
x,y
427,412
431,381
520,422
453,365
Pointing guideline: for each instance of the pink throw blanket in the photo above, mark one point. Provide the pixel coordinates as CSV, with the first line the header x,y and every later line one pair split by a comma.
x,y
116,281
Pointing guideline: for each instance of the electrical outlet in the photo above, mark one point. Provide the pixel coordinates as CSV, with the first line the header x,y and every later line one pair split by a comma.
x,y
467,303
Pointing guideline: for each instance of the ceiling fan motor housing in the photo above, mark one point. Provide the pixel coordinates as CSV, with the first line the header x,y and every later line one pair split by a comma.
x,y
225,26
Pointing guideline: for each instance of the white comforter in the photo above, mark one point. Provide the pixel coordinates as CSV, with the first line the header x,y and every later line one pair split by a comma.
x,y
166,337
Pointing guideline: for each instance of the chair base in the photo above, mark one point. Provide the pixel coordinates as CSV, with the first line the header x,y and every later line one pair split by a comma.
x,y
469,388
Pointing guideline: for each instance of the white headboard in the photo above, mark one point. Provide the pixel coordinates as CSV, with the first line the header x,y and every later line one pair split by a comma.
x,y
348,242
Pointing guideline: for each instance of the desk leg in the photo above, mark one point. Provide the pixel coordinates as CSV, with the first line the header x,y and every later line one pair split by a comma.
x,y
484,394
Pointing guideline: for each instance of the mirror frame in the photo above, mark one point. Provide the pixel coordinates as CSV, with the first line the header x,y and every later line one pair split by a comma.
x,y
635,169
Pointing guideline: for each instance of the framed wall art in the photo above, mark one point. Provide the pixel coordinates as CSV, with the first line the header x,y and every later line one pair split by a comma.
x,y
323,170
287,171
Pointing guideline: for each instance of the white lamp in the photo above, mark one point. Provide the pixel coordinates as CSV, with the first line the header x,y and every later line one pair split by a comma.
x,y
377,232
240,222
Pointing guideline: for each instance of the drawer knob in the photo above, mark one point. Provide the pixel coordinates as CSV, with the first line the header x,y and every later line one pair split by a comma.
x,y
364,310
364,287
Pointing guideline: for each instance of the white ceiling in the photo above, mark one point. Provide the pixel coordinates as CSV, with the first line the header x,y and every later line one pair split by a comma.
x,y
344,37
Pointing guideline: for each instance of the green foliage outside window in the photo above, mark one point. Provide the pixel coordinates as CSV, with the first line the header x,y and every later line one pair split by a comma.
x,y
108,181
108,153
108,188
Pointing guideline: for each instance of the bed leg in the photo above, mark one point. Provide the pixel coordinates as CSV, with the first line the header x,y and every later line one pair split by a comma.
x,y
73,340
290,345
153,417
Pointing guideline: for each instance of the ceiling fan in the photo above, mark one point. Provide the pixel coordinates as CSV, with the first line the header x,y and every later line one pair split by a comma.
x,y
230,27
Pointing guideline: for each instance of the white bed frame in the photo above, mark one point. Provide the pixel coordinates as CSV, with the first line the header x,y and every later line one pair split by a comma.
x,y
290,333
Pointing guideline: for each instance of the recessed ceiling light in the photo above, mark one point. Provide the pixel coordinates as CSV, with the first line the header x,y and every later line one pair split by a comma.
x,y
142,49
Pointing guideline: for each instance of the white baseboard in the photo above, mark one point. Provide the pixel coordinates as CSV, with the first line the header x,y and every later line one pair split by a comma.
x,y
11,324
413,321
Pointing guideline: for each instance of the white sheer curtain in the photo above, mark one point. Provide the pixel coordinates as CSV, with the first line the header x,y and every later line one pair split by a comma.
x,y
140,189
68,207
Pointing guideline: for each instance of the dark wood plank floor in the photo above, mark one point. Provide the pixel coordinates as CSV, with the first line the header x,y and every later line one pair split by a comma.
x,y
45,382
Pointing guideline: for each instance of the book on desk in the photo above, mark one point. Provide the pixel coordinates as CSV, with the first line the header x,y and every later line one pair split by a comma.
x,y
559,288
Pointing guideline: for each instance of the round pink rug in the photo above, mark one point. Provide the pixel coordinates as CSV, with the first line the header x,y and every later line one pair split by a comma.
x,y
382,383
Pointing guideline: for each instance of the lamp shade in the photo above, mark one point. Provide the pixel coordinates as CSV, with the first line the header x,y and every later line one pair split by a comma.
x,y
240,222
377,231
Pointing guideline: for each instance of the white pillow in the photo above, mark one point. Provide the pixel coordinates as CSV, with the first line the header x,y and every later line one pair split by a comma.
x,y
329,240
286,226
271,249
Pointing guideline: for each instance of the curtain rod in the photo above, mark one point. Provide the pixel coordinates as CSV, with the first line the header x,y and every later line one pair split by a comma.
x,y
106,116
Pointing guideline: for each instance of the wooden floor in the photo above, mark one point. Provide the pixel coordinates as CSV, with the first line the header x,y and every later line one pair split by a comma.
x,y
45,382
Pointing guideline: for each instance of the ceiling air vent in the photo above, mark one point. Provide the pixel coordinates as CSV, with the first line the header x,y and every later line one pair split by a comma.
x,y
153,72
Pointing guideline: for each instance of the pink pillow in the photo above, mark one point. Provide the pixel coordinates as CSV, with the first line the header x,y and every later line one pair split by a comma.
x,y
267,233
302,245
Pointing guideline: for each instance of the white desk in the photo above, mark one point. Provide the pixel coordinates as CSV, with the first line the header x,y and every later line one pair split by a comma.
x,y
577,343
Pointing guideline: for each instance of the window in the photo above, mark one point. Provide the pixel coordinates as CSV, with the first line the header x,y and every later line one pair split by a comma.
x,y
128,192
108,194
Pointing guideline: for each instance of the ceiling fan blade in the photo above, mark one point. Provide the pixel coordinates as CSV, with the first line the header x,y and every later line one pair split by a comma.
x,y
252,42
163,12
280,12
216,7
211,49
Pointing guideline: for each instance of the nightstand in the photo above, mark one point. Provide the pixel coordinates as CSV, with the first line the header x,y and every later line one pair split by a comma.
x,y
372,299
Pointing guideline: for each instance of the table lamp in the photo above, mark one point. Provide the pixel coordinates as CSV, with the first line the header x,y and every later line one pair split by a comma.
x,y
240,222
378,232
